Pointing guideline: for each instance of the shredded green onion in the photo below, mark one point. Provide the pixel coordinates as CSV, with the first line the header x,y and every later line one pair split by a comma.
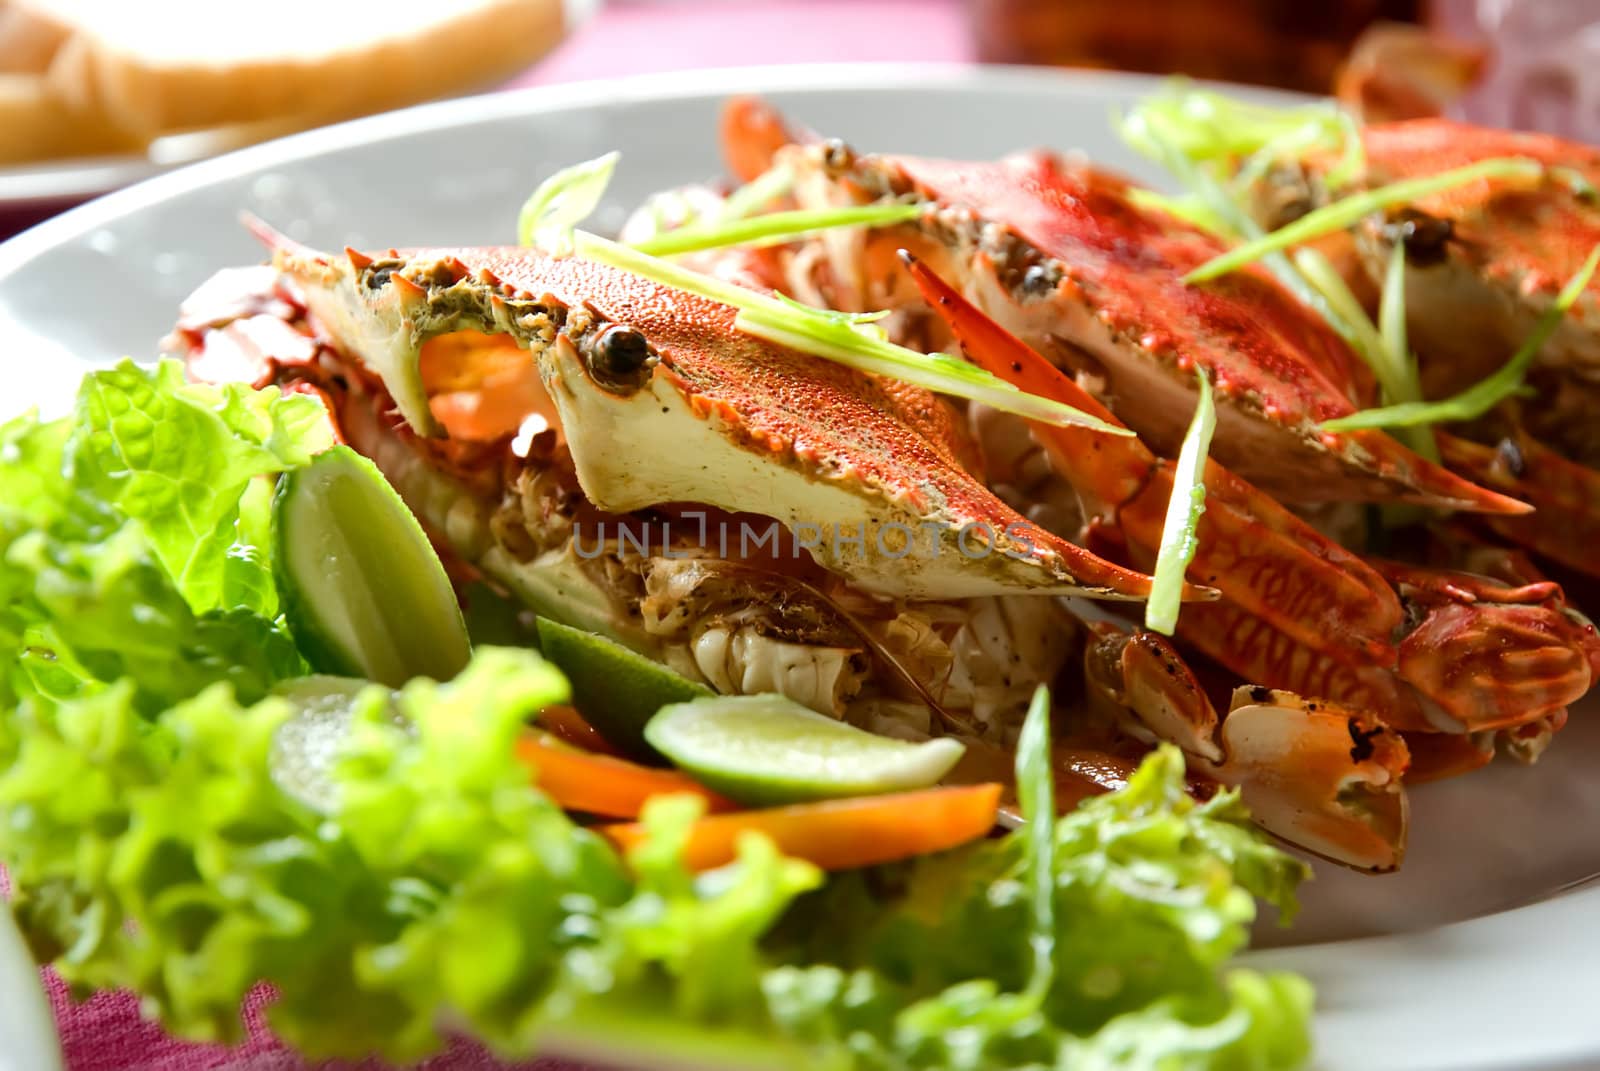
x,y
550,217
1036,793
1392,311
1487,393
1179,533
756,194
843,340
1191,208
773,228
1217,202
1577,182
1344,213
563,201
1203,125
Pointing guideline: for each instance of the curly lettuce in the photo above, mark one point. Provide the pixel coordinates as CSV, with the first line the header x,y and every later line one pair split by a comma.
x,y
166,828
1150,893
133,539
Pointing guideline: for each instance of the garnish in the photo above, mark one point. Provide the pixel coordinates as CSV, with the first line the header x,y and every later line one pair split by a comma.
x,y
772,229
1178,534
386,861
365,594
1203,125
1347,211
824,334
1218,207
1036,793
852,339
563,201
756,194
764,750
1484,395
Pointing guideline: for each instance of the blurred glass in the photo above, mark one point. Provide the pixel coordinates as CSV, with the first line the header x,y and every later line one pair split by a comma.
x,y
1295,44
1543,67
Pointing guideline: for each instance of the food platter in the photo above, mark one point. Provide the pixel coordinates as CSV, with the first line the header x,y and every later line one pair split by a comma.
x,y
1480,953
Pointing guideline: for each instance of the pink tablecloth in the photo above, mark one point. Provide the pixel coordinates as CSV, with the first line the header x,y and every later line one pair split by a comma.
x,y
106,1033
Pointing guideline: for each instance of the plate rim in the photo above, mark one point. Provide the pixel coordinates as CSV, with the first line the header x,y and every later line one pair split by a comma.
x,y
1509,952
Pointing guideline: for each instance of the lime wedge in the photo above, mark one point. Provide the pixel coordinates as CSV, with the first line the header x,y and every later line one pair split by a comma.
x,y
615,689
764,750
305,748
363,590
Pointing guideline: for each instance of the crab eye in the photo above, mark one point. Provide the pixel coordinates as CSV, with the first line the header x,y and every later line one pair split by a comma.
x,y
619,358
1425,236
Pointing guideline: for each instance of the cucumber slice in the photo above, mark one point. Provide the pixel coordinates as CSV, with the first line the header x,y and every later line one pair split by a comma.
x,y
305,748
364,592
615,689
765,750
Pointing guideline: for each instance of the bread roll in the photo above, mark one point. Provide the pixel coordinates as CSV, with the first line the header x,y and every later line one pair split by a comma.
x,y
162,66
36,125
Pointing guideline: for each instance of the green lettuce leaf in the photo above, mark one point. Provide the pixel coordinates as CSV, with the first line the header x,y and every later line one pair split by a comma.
x,y
155,841
134,539
178,456
1153,894
440,888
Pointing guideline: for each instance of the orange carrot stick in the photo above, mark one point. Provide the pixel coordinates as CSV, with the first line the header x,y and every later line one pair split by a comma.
x,y
841,834
600,784
566,724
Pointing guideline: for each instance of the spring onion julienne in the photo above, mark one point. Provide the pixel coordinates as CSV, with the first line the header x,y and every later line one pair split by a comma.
x,y
551,215
844,339
1346,212
773,228
1179,533
563,201
1484,395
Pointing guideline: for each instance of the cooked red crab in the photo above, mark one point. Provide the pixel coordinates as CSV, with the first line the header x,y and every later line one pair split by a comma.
x,y
876,642
1483,261
1299,612
1058,252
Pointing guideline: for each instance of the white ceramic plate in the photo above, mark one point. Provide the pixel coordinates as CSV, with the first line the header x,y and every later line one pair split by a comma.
x,y
1479,954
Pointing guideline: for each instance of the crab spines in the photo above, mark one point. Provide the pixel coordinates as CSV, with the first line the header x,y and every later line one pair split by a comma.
x,y
1422,482
274,240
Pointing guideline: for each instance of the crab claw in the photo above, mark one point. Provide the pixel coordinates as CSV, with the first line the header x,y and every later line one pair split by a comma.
x,y
1489,656
663,401
1318,775
1065,256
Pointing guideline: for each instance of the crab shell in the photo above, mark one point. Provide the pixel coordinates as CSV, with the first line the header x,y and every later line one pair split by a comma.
x,y
1062,254
1426,650
1486,258
663,401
